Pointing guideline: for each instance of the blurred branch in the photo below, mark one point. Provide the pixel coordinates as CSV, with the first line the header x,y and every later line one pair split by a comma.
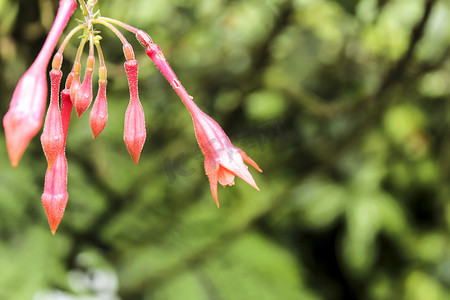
x,y
396,72
372,109
261,54
252,80
394,75
437,63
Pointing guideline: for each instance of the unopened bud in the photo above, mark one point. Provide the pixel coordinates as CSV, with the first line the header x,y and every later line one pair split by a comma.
x,y
128,52
99,111
134,133
83,98
57,61
143,38
69,80
54,198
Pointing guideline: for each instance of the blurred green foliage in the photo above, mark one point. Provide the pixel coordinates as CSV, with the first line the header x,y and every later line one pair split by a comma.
x,y
345,106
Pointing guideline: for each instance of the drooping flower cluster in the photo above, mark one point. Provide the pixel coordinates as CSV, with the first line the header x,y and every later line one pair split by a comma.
x,y
223,161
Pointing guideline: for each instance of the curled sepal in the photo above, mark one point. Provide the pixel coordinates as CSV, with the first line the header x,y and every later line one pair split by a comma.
x,y
83,97
134,130
52,138
54,199
99,111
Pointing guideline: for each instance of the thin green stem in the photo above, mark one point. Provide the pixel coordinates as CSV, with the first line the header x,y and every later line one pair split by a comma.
x,y
119,23
83,7
100,54
69,36
80,49
112,28
91,44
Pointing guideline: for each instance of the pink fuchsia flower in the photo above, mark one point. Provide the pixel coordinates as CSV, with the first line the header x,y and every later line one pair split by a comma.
x,y
24,117
223,161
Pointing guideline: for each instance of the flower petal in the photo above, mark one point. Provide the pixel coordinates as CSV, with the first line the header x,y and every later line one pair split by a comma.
x,y
212,170
249,160
234,163
225,176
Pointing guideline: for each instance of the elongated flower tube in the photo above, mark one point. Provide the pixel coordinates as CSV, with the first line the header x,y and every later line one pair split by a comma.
x,y
223,161
134,133
55,196
24,117
52,138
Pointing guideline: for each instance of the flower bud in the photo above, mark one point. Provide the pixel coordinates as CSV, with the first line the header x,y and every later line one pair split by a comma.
x,y
134,130
99,111
54,198
143,38
83,97
52,138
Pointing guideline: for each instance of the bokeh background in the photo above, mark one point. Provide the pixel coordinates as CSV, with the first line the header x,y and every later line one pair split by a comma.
x,y
344,105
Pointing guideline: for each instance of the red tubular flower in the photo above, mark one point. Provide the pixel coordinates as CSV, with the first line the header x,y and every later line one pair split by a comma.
x,y
134,133
99,111
24,117
223,161
52,138
55,196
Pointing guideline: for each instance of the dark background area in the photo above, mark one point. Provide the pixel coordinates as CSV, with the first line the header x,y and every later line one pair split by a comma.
x,y
343,104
